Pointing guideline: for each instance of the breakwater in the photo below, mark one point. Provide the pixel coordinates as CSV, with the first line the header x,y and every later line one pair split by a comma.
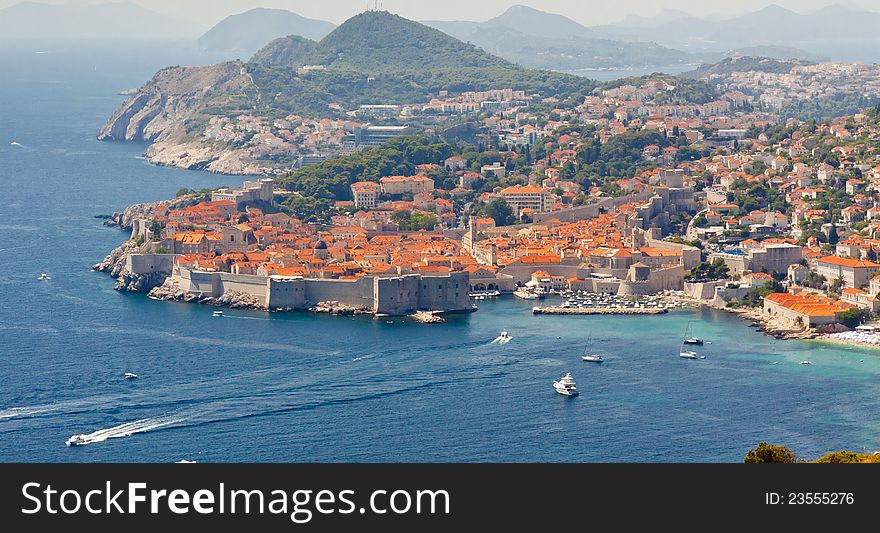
x,y
597,311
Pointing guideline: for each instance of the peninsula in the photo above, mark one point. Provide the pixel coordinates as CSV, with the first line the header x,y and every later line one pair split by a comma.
x,y
394,191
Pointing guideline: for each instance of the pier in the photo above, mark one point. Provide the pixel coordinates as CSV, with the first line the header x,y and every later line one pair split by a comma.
x,y
598,311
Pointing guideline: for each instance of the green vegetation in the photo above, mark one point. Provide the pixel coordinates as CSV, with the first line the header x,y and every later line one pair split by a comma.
x,y
620,157
332,178
770,453
408,221
852,317
707,271
379,57
500,212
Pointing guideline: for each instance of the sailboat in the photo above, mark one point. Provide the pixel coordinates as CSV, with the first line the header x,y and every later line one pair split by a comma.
x,y
592,358
691,340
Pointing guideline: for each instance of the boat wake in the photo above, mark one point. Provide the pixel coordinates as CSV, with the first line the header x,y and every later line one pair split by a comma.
x,y
16,143
130,428
14,412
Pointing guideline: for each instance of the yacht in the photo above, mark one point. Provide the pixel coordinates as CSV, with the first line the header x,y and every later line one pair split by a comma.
x,y
44,277
76,440
806,362
566,385
217,314
130,375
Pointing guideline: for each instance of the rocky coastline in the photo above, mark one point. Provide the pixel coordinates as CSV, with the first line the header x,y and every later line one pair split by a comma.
x,y
170,290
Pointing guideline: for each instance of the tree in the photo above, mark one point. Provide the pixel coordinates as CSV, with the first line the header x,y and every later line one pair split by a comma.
x,y
770,453
851,317
715,270
500,212
413,221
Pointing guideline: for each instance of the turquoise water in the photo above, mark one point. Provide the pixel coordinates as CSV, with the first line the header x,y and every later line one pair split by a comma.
x,y
300,387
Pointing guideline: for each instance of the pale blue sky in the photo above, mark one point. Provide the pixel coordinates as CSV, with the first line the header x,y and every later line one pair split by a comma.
x,y
587,12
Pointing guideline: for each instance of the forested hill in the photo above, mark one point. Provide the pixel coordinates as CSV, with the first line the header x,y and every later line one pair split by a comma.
x,y
378,57
375,41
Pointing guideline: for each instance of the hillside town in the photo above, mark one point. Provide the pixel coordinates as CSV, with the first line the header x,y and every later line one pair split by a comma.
x,y
719,203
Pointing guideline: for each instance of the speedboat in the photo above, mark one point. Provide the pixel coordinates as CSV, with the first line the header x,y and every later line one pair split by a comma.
x,y
130,375
184,462
687,354
694,340
76,440
44,277
566,385
503,338
217,314
806,362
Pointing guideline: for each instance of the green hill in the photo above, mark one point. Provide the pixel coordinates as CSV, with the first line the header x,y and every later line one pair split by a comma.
x,y
377,57
285,51
376,41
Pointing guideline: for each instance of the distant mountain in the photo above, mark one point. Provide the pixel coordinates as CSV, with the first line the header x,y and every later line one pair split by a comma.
x,y
247,32
536,39
834,31
663,17
532,21
110,21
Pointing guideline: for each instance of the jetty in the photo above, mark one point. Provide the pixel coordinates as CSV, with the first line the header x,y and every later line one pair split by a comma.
x,y
598,311
427,317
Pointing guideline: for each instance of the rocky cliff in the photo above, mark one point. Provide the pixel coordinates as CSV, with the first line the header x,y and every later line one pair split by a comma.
x,y
169,112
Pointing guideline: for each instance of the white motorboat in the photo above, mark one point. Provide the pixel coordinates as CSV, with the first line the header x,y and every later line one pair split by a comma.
x,y
687,354
44,277
806,362
566,385
503,338
76,440
184,462
130,375
217,314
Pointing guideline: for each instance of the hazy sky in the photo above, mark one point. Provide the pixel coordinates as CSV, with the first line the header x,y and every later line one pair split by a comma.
x,y
587,12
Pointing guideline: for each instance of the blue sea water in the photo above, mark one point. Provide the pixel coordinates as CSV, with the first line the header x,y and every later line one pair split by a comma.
x,y
300,387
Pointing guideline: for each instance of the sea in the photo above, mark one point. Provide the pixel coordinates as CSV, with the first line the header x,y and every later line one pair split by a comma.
x,y
258,387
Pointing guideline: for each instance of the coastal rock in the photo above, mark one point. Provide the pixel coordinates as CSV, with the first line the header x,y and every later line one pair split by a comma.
x,y
114,263
169,290
198,156
336,308
143,283
160,108
168,113
239,300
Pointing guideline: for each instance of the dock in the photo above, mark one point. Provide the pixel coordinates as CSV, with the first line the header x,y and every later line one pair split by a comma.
x,y
598,311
